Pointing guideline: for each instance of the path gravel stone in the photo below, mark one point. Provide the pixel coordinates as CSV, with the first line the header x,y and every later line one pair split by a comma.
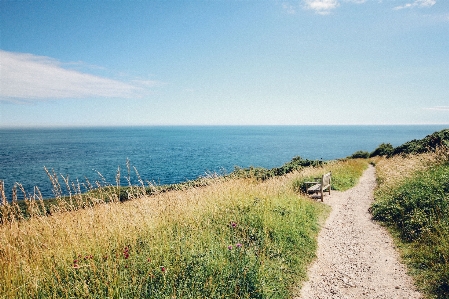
x,y
356,257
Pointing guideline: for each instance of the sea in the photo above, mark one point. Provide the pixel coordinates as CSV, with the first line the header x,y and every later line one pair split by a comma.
x,y
173,154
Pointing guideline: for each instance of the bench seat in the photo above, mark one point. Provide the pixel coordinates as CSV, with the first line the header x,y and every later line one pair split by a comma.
x,y
320,185
314,188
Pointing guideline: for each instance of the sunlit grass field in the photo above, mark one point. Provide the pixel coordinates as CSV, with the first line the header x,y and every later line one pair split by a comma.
x,y
412,199
231,238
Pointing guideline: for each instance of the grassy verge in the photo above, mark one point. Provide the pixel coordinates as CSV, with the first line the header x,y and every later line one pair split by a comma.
x,y
345,174
414,204
231,238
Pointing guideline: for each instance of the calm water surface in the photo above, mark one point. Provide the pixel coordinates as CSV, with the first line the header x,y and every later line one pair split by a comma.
x,y
166,155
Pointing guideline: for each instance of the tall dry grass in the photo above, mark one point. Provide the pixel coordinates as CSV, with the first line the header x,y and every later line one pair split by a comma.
x,y
233,238
394,170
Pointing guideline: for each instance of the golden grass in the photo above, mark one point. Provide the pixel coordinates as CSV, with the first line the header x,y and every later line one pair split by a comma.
x,y
392,171
34,250
41,242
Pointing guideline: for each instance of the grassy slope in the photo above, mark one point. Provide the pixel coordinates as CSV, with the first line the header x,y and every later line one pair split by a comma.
x,y
234,238
413,201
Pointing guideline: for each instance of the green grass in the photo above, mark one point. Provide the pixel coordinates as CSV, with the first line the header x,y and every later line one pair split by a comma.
x,y
345,174
257,248
417,211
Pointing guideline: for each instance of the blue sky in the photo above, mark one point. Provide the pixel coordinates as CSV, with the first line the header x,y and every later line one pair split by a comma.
x,y
304,62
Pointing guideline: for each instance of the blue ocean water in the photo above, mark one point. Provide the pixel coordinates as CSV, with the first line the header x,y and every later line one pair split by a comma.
x,y
167,155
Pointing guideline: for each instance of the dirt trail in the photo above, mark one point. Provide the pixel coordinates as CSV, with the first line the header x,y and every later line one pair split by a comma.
x,y
356,257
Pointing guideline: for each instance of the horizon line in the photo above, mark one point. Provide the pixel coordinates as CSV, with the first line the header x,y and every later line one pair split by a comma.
x,y
211,125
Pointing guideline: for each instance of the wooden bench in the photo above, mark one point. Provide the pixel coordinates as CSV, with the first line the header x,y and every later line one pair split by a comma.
x,y
320,185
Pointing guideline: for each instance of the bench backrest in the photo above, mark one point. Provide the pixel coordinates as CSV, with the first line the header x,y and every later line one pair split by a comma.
x,y
326,179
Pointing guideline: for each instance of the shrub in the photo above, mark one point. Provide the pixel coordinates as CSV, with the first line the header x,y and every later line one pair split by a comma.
x,y
429,143
359,155
384,149
261,173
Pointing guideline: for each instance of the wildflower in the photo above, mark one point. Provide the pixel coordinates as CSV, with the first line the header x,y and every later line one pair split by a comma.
x,y
75,264
126,252
163,269
238,245
230,247
233,224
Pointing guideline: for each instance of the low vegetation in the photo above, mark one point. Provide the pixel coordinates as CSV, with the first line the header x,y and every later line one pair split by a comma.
x,y
261,173
428,144
345,174
412,199
384,149
359,155
226,237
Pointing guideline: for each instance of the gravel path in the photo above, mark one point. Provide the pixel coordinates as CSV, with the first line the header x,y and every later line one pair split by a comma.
x,y
356,257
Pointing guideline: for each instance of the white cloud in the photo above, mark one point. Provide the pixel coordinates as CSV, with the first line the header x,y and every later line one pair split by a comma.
x,y
30,77
322,7
439,108
417,3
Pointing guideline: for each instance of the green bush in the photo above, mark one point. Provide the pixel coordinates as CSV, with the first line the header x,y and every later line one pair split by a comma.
x,y
384,149
261,173
359,155
429,143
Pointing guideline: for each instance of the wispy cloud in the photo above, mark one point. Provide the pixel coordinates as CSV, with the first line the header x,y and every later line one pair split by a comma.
x,y
325,7
439,108
417,3
322,7
31,77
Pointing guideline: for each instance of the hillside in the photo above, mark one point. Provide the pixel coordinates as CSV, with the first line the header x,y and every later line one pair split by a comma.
x,y
415,146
